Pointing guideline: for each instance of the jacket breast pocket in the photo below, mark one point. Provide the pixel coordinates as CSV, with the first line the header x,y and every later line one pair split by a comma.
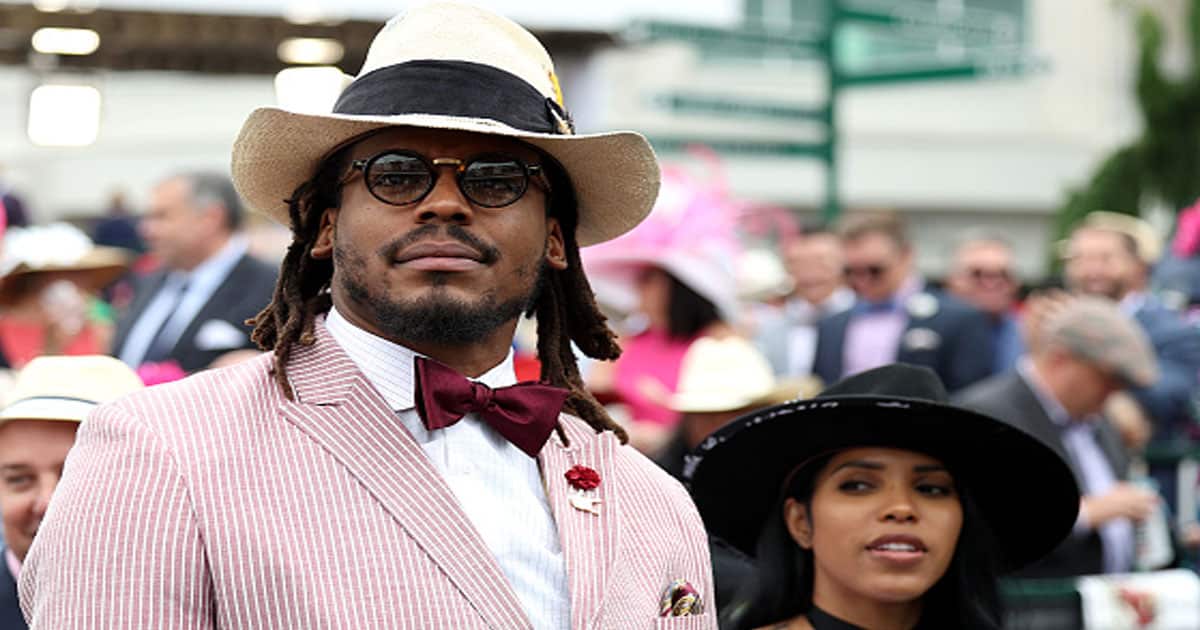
x,y
707,621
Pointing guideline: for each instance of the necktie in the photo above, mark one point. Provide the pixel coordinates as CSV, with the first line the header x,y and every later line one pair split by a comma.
x,y
525,413
162,343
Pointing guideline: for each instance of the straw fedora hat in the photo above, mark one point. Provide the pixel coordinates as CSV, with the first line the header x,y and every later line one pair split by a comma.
x,y
67,388
728,374
58,248
456,67
1148,240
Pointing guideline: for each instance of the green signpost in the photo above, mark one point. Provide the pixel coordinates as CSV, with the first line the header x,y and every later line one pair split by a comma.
x,y
819,42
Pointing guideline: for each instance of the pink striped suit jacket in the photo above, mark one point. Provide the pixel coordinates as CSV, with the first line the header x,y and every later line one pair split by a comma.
x,y
215,502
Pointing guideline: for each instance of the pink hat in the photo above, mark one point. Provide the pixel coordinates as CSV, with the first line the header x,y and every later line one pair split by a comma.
x,y
690,233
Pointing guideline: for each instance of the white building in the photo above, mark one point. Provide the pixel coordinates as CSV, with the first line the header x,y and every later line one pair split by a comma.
x,y
998,151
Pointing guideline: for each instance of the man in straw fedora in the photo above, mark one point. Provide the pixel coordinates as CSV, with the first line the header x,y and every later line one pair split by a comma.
x,y
38,422
330,483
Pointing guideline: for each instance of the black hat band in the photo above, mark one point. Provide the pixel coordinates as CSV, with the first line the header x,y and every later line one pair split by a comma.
x,y
461,89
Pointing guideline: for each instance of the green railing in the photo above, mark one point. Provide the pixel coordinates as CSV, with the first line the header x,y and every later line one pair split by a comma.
x,y
1041,604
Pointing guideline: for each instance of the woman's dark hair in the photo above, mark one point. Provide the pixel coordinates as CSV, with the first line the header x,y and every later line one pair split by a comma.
x,y
565,306
688,312
965,597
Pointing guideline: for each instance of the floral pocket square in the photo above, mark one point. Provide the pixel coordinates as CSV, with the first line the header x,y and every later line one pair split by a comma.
x,y
681,599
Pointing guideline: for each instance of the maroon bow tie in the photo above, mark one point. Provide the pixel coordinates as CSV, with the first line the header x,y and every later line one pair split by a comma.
x,y
525,413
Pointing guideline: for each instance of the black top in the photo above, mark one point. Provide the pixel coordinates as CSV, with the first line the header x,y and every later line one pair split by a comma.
x,y
822,620
10,607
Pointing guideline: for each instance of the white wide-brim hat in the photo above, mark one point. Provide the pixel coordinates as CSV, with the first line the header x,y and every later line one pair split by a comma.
x,y
727,374
57,248
67,388
455,67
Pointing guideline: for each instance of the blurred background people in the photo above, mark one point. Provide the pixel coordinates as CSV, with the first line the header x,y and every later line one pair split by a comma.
x,y
983,273
815,263
1176,278
13,206
49,398
675,274
1110,255
719,380
118,227
894,319
51,276
1086,351
194,308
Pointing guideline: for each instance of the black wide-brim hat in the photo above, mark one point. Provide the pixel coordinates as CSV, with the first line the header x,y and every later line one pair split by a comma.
x,y
1026,492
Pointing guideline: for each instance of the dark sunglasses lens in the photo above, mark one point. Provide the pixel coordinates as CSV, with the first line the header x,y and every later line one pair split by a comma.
x,y
399,178
494,181
991,275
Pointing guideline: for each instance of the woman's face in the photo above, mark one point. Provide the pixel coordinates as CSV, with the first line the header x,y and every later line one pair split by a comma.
x,y
883,525
654,295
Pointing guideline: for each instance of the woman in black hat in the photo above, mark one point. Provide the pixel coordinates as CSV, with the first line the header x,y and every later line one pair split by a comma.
x,y
877,505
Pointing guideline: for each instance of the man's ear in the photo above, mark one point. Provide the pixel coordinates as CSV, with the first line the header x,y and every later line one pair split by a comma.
x,y
795,515
556,247
323,247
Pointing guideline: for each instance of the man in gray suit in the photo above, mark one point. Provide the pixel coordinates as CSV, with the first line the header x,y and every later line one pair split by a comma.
x,y
194,308
789,340
1083,354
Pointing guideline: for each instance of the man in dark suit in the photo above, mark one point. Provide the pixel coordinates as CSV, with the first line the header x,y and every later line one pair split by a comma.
x,y
894,318
193,310
1110,255
1085,353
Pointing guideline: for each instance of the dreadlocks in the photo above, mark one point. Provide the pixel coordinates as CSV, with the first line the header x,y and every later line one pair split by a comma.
x,y
565,306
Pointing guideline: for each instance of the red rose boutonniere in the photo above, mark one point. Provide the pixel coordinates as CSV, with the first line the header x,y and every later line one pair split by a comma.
x,y
583,478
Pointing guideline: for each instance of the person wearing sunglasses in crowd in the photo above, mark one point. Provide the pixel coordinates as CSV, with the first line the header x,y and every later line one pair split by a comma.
x,y
894,317
983,274
877,505
380,467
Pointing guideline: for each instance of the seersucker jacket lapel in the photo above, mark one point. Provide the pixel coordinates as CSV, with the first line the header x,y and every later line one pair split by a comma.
x,y
338,408
589,541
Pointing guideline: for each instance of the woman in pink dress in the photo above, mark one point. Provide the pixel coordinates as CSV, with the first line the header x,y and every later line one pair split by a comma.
x,y
674,275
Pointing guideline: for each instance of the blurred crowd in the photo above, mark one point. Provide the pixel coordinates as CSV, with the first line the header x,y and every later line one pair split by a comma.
x,y
714,324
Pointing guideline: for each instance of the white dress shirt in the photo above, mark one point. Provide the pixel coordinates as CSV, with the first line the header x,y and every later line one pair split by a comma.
x,y
172,313
497,484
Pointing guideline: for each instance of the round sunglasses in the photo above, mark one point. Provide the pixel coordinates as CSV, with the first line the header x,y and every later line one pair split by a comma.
x,y
491,180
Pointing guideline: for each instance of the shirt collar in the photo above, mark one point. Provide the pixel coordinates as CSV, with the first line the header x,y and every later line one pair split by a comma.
x,y
14,565
389,366
1049,403
800,309
910,287
1132,302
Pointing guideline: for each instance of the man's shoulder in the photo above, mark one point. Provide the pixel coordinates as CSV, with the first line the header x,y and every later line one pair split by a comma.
x,y
253,267
954,308
990,393
207,396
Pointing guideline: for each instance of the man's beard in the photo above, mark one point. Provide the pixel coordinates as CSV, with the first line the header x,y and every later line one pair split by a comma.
x,y
436,317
